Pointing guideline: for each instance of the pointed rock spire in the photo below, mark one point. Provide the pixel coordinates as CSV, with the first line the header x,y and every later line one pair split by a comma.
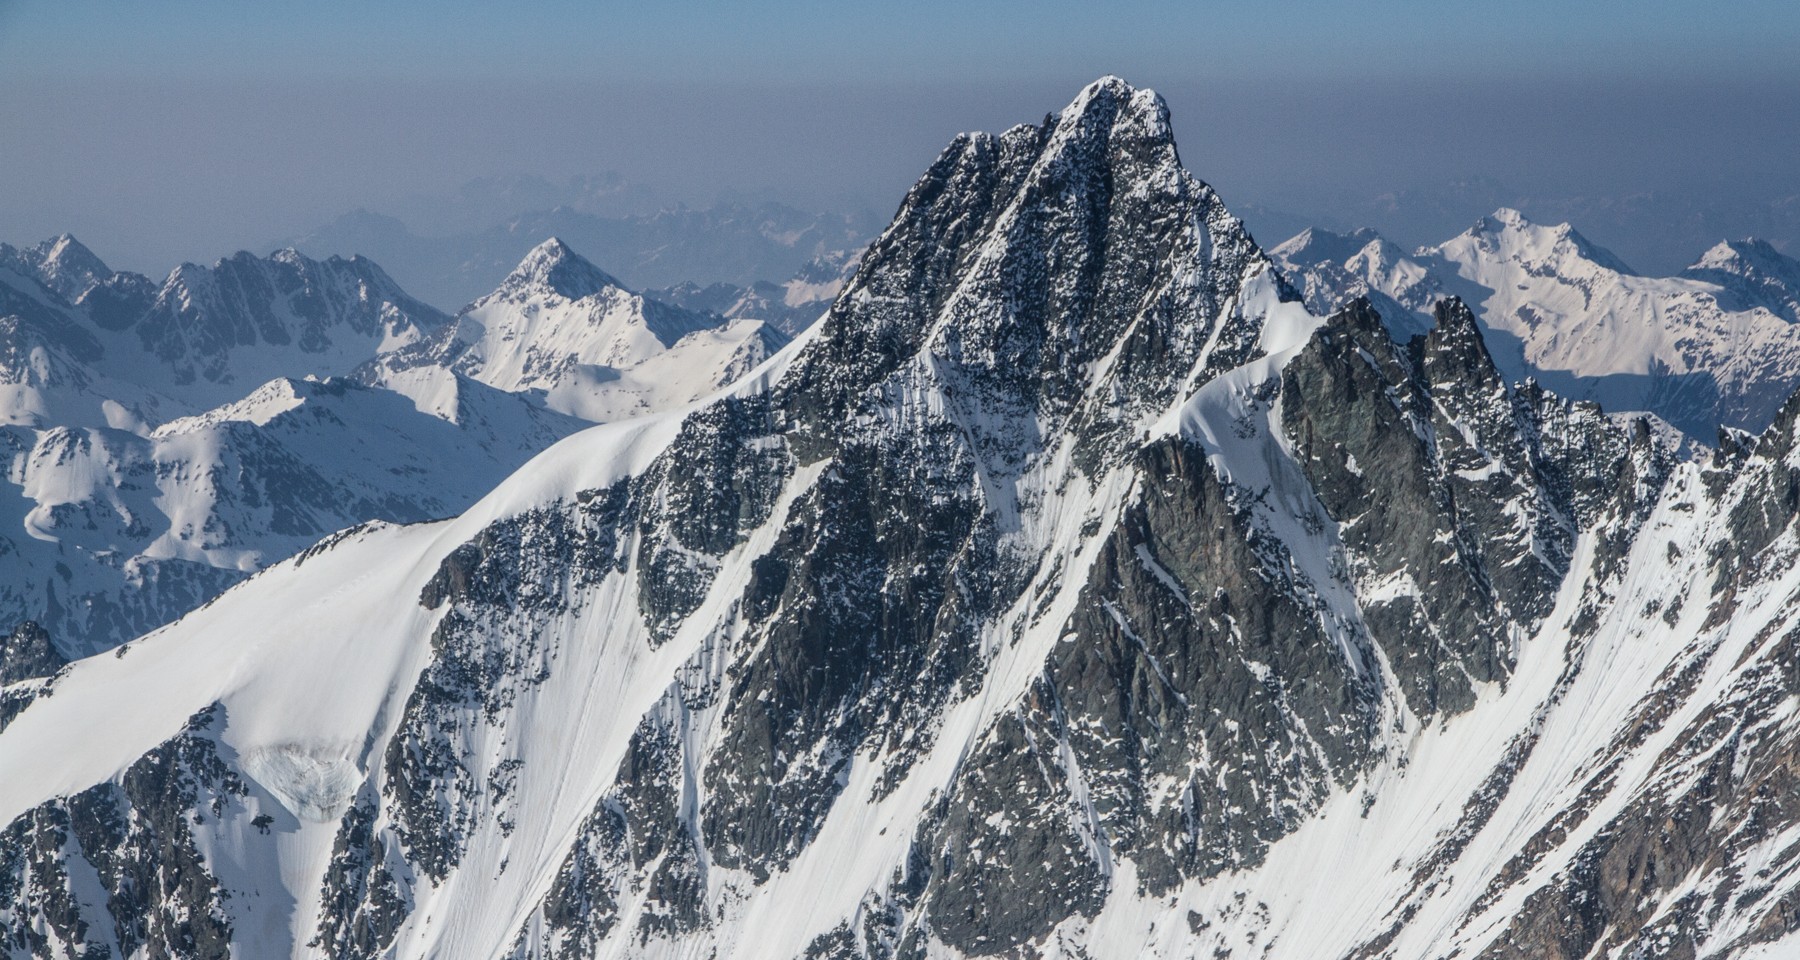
x,y
1454,352
1050,268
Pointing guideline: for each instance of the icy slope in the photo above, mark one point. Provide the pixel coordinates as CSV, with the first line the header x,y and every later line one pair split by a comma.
x,y
1068,590
1715,346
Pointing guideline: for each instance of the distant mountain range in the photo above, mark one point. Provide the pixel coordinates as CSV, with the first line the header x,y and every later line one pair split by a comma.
x,y
1717,344
156,425
1071,589
730,243
1656,232
167,439
789,307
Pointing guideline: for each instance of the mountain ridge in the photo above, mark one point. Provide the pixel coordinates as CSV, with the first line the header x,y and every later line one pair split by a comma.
x,y
730,242
1069,589
1713,346
566,332
154,471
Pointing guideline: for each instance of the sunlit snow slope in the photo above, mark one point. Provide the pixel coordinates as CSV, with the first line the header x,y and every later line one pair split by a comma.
x,y
563,330
1069,590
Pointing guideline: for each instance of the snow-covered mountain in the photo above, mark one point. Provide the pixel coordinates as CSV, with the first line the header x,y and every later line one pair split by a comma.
x,y
1757,273
116,533
1069,590
165,441
563,330
89,346
1717,345
1657,232
60,263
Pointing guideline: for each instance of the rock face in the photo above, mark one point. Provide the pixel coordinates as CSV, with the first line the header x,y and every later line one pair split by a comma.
x,y
1716,345
27,655
1069,590
143,885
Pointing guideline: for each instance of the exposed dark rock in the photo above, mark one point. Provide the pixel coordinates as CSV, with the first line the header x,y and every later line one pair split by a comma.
x,y
366,893
135,837
28,654
494,591
1658,877
1016,854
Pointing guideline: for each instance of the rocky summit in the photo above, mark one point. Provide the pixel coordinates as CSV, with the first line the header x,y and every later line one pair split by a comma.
x,y
1069,590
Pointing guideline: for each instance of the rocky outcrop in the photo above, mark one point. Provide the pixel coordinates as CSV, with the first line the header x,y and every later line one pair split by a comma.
x,y
1071,591
114,870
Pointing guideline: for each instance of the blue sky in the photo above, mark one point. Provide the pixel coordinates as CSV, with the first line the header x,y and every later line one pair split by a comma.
x,y
169,129
808,39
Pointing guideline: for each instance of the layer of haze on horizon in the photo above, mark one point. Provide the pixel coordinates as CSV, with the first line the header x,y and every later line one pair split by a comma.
x,y
186,129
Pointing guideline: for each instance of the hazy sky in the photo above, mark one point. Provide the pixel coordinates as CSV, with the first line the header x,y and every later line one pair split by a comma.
x,y
167,129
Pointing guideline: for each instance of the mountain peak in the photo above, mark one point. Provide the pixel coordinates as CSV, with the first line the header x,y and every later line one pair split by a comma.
x,y
552,267
1746,256
1456,325
1757,272
1107,88
67,252
1511,221
1316,245
956,285
1112,101
1509,231
64,265
553,248
1510,217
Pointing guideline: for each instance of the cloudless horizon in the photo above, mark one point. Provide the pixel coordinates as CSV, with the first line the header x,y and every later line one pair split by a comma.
x,y
160,132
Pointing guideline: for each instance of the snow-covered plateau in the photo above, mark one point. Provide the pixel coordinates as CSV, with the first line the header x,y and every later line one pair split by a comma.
x,y
1069,590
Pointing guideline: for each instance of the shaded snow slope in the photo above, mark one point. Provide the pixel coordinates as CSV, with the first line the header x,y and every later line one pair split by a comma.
x,y
1068,590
